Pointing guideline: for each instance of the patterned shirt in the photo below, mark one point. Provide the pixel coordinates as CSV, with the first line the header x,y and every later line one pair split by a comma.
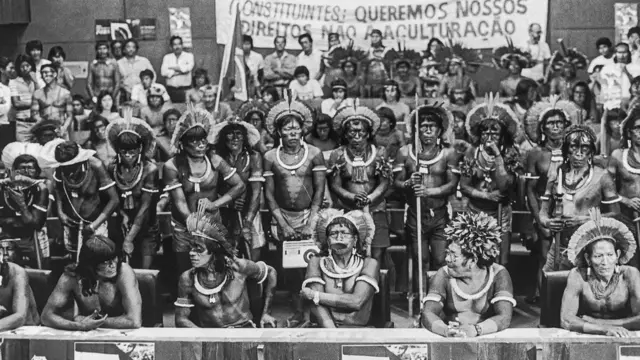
x,y
23,90
130,71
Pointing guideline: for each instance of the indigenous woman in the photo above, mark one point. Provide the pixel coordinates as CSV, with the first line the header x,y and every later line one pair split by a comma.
x,y
472,295
459,60
136,177
341,281
359,170
513,60
391,99
578,186
24,204
98,141
490,166
602,294
338,99
405,64
255,112
234,140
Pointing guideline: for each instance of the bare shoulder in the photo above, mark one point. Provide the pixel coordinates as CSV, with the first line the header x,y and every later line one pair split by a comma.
x,y
186,279
127,274
371,264
314,151
17,272
575,278
96,163
617,154
631,273
150,167
270,155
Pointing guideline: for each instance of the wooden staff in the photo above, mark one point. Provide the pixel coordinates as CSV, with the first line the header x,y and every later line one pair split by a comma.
x,y
558,213
80,229
418,208
36,242
636,220
604,148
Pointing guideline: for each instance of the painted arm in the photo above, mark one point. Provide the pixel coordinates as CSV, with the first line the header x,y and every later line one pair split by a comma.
x,y
446,189
254,202
532,183
632,322
380,190
269,194
60,301
264,274
69,111
468,190
131,302
504,179
183,313
362,290
335,185
19,303
319,184
322,314
104,180
36,217
570,304
178,199
150,184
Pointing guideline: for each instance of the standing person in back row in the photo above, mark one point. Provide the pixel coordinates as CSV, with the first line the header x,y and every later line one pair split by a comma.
x,y
310,57
130,67
176,68
103,73
279,66
540,53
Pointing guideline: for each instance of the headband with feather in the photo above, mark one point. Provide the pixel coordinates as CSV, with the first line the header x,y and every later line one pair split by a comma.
x,y
601,228
135,126
192,118
439,110
492,108
341,55
503,56
362,221
203,225
252,133
470,59
288,106
568,56
356,112
253,106
534,115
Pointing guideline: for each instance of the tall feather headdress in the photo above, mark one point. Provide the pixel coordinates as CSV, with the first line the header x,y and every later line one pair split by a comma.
x,y
252,133
338,56
288,106
601,228
360,219
534,115
503,56
438,108
412,58
252,106
13,150
470,59
494,109
355,112
568,56
192,118
132,125
204,225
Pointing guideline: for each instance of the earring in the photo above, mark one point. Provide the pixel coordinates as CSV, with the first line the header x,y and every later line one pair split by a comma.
x,y
353,251
617,269
543,137
589,270
628,144
438,141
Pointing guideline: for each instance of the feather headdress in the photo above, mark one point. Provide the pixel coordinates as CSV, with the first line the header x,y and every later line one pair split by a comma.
x,y
338,56
356,112
13,150
438,109
584,129
478,235
192,118
533,117
492,108
204,225
132,125
601,228
252,106
568,56
252,133
288,106
361,220
503,56
470,59
412,58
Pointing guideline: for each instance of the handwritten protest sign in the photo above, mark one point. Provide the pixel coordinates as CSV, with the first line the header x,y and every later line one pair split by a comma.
x,y
477,23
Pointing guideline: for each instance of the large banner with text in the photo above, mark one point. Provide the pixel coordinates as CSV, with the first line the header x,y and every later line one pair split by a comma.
x,y
478,24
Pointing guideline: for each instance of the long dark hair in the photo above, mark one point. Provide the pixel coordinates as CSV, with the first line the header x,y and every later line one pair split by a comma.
x,y
345,141
221,147
507,138
325,119
543,122
95,251
360,246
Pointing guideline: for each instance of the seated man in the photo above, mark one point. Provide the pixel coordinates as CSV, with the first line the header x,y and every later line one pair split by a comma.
x,y
104,288
472,295
17,303
342,281
215,288
602,294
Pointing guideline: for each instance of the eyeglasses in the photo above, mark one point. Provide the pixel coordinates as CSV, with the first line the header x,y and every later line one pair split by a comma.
x,y
337,234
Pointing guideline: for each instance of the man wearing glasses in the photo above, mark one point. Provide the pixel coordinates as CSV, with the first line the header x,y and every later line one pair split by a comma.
x,y
540,53
52,102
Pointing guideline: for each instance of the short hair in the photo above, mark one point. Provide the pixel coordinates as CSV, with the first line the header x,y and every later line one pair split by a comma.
x,y
275,39
342,221
66,151
175,37
534,24
101,43
4,62
26,158
134,41
50,66
22,58
628,52
247,38
198,73
116,42
305,35
385,112
172,111
78,97
633,30
56,51
33,45
376,31
347,126
301,70
146,72
603,41
128,141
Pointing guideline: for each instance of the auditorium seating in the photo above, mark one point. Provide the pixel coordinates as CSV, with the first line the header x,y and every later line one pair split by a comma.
x,y
553,285
151,299
42,285
381,309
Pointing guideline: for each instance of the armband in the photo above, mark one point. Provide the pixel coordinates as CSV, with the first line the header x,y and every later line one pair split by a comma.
x,y
313,280
107,186
267,174
503,298
369,281
319,168
172,187
266,271
612,201
184,303
230,175
152,191
38,207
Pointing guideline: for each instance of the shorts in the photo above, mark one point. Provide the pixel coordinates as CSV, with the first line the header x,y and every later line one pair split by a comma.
x,y
381,238
433,224
147,242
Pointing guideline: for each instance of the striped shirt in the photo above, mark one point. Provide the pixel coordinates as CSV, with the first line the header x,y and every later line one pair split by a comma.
x,y
24,91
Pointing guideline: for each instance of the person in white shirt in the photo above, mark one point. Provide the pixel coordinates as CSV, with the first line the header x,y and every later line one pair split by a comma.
x,y
605,48
310,57
34,49
338,99
254,62
176,68
303,87
633,39
540,53
6,135
615,79
140,91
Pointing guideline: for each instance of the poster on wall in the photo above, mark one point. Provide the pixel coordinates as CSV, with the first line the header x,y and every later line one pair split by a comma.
x,y
180,25
477,24
139,29
626,18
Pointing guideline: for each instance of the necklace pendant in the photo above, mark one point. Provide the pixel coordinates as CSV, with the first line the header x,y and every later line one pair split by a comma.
x,y
212,299
74,194
196,187
339,284
568,196
424,169
293,172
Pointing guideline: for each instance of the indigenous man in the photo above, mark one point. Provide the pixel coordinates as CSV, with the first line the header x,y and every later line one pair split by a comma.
x,y
24,204
17,303
432,177
341,281
45,131
234,140
103,74
294,175
377,71
360,172
513,60
136,177
490,166
52,102
209,94
216,285
81,181
569,62
582,185
624,167
191,178
545,124
104,288
155,109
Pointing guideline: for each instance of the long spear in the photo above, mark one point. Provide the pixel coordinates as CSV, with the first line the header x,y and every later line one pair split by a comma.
x,y
418,208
